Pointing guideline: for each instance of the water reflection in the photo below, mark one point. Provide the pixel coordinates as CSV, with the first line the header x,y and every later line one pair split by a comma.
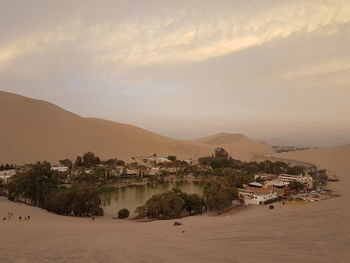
x,y
133,196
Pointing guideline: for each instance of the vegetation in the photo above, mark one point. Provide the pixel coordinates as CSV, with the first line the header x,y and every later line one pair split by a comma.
x,y
170,205
77,201
66,162
123,213
221,159
172,158
113,162
294,185
218,196
320,178
40,187
34,184
7,166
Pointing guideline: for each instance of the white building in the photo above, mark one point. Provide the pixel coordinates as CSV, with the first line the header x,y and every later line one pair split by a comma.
x,y
256,198
304,179
7,174
60,169
162,160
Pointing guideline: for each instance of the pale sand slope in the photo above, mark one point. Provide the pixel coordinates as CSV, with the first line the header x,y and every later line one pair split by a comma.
x,y
238,145
318,232
34,130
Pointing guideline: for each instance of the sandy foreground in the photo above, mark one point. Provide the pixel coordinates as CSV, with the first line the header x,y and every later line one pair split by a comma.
x,y
318,232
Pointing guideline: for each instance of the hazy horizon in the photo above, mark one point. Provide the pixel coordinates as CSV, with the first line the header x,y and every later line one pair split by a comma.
x,y
268,69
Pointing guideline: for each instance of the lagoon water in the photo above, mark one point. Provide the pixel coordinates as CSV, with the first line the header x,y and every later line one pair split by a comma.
x,y
132,196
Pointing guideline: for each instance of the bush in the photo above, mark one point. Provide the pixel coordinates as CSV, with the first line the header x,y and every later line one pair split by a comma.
x,y
171,205
193,204
165,206
123,213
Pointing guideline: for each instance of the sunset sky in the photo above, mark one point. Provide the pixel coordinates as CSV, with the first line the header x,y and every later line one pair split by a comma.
x,y
184,69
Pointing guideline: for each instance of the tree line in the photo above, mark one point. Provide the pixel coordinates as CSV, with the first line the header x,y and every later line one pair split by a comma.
x,y
39,186
221,159
4,167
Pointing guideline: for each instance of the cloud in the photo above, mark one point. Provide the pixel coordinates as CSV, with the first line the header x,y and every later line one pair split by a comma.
x,y
185,37
193,38
315,70
38,42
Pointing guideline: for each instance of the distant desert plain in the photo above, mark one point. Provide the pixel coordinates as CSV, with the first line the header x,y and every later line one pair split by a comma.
x,y
316,232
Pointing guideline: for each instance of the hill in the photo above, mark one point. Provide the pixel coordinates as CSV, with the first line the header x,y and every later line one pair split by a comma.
x,y
238,145
35,130
38,130
334,158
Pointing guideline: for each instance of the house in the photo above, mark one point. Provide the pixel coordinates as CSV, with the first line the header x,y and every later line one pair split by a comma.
x,y
7,174
251,197
61,169
162,160
264,177
255,184
306,179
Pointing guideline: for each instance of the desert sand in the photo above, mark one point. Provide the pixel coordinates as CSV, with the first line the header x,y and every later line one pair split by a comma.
x,y
38,130
238,145
317,232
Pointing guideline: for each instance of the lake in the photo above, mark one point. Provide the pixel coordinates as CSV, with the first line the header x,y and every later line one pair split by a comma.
x,y
132,196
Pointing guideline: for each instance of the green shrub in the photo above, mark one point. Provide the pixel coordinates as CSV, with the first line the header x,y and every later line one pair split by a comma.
x,y
123,213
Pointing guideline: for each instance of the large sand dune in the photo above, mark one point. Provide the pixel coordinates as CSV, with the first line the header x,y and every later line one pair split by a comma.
x,y
319,232
238,145
33,130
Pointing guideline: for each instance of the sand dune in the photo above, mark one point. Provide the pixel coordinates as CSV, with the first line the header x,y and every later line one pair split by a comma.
x,y
238,145
319,232
37,130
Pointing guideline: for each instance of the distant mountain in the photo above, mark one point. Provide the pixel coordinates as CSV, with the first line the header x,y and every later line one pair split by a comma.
x,y
33,130
279,141
314,141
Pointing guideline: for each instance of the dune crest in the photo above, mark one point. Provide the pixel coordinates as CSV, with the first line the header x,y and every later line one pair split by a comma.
x,y
238,145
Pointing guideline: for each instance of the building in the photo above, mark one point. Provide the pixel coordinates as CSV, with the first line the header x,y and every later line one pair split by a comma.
x,y
255,184
264,177
7,174
252,197
61,169
161,160
306,179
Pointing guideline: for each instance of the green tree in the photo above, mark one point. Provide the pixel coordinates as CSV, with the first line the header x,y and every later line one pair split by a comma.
x,y
172,158
193,204
66,162
167,205
89,158
78,200
123,213
78,162
34,184
218,197
295,185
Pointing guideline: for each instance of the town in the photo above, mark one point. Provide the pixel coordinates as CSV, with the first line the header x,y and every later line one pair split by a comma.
x,y
245,183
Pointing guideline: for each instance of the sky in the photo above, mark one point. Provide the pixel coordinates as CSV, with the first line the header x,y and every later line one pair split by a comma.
x,y
273,70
